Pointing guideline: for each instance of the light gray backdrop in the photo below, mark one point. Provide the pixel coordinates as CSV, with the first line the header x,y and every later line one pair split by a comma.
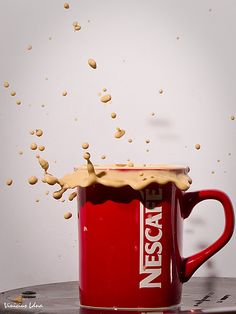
x,y
185,48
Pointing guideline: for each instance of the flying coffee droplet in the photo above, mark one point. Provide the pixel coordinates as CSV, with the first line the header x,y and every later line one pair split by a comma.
x,y
6,84
9,182
32,180
130,140
213,172
153,114
147,141
72,196
105,98
218,160
37,200
29,47
197,146
20,152
85,145
64,93
147,150
13,93
33,146
113,115
50,179
43,163
67,215
229,154
92,63
47,192
144,179
18,102
104,89
41,148
39,132
232,117
63,201
76,26
86,156
161,91
103,157
66,5
119,133
31,132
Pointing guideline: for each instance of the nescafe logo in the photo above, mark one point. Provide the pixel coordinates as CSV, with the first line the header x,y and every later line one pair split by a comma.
x,y
150,252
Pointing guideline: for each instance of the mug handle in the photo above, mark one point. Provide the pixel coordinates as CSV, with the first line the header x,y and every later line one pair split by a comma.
x,y
190,199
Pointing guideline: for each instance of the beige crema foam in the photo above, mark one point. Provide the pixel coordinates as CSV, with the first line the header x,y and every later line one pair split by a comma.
x,y
118,175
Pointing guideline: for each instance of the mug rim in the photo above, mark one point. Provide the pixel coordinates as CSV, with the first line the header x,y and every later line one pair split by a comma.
x,y
143,167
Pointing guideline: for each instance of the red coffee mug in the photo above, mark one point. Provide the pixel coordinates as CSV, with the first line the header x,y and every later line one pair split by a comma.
x,y
130,244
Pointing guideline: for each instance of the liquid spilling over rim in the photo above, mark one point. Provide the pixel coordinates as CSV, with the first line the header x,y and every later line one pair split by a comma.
x,y
136,176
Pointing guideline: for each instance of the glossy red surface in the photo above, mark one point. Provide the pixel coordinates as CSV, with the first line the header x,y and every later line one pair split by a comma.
x,y
128,237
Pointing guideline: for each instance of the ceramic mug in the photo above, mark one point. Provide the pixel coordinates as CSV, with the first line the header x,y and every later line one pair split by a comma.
x,y
130,244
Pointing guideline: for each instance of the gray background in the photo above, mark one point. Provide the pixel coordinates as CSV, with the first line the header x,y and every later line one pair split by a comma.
x,y
137,51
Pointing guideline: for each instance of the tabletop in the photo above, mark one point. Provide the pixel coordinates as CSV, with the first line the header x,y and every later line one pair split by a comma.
x,y
200,295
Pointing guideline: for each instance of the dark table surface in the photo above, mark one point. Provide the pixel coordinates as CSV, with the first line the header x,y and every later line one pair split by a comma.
x,y
200,295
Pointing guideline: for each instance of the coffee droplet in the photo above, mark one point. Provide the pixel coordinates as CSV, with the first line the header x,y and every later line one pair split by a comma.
x,y
33,146
67,215
18,299
86,156
43,163
92,63
113,115
29,47
41,148
161,91
72,196
20,152
130,140
197,146
49,179
64,93
32,180
9,182
13,93
66,5
31,132
39,132
119,133
18,102
6,84
147,141
232,117
103,157
76,26
85,145
130,164
37,200
105,98
104,89
153,114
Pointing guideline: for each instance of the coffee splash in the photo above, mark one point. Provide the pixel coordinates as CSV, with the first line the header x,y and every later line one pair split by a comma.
x,y
117,175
